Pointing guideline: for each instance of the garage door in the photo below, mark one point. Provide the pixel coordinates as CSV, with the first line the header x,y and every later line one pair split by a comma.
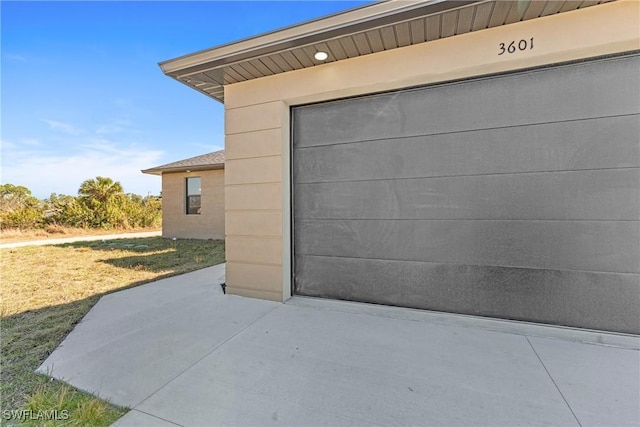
x,y
513,196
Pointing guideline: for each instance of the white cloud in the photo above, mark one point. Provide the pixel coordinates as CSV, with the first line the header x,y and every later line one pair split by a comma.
x,y
207,148
63,127
7,145
15,57
108,129
218,144
31,142
62,158
115,126
49,172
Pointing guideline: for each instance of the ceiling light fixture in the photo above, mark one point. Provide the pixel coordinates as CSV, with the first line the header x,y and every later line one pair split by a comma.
x,y
321,56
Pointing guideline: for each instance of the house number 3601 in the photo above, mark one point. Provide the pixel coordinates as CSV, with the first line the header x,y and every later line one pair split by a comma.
x,y
515,46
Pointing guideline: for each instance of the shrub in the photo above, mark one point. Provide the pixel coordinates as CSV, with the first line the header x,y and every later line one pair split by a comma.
x,y
23,218
18,208
100,204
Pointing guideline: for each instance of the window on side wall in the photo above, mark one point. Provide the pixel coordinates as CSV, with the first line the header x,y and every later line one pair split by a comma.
x,y
194,190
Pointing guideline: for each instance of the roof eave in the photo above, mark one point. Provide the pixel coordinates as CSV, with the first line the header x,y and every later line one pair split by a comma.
x,y
209,71
160,171
302,34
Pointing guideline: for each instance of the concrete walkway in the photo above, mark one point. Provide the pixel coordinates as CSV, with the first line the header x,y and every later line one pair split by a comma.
x,y
179,352
63,240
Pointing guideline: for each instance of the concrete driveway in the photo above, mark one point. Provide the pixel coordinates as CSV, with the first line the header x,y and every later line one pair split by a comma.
x,y
179,352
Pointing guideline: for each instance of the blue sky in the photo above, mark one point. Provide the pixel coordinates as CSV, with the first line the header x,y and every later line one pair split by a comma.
x,y
82,94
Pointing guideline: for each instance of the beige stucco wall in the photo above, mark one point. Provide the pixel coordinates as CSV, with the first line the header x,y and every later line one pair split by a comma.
x,y
257,187
210,223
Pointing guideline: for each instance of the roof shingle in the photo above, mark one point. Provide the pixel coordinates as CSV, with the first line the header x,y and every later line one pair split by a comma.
x,y
207,161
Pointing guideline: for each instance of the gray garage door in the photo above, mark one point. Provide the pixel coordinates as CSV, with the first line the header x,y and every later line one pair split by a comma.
x,y
512,196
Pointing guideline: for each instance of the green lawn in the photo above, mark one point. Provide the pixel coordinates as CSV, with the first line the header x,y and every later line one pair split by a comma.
x,y
46,290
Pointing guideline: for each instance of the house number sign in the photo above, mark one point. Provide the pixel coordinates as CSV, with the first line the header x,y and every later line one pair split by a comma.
x,y
515,46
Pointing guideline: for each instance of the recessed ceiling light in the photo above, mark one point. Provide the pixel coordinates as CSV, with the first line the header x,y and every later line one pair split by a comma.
x,y
321,56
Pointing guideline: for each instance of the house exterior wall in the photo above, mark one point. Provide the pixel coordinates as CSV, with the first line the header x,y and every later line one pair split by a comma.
x,y
210,223
257,123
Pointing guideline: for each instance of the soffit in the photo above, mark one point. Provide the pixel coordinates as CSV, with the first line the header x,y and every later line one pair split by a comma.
x,y
369,29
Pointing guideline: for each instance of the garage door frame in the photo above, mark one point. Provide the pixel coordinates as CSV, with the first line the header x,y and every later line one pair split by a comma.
x,y
417,87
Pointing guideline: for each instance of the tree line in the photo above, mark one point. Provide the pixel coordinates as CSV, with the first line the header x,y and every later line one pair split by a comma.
x,y
101,203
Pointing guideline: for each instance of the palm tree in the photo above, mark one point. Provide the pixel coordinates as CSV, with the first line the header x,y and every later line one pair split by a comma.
x,y
101,189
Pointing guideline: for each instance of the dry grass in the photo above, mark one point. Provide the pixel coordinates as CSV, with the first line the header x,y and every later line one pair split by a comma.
x,y
46,290
58,404
14,235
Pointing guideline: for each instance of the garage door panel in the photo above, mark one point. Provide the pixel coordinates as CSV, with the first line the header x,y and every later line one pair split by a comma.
x,y
512,196
540,96
611,246
574,298
610,142
608,194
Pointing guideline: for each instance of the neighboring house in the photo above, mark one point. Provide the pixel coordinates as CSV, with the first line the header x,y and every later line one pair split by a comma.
x,y
193,197
476,157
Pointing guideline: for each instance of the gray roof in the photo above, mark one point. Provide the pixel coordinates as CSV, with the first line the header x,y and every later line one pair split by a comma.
x,y
207,161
